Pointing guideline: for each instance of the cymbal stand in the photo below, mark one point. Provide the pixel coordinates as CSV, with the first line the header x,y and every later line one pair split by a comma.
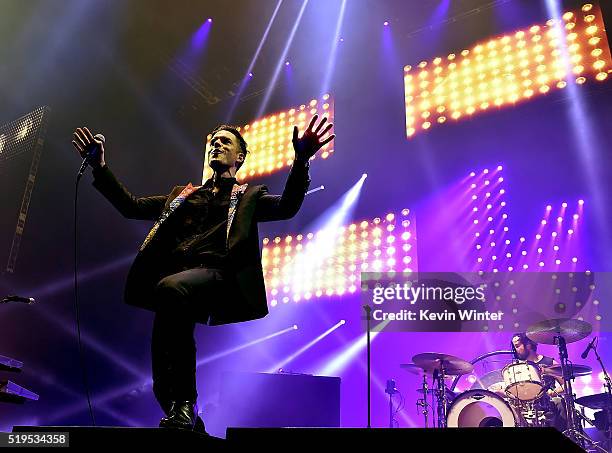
x,y
422,402
608,386
574,429
442,398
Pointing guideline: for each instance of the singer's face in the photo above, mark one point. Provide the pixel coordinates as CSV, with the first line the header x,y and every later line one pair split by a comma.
x,y
224,151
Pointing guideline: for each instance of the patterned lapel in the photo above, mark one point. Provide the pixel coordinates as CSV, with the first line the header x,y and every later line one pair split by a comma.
x,y
188,190
237,191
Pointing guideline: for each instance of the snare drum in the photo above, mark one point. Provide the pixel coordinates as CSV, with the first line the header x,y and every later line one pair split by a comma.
x,y
523,381
481,409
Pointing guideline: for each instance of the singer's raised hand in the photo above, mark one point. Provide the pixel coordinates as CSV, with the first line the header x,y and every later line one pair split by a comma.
x,y
84,142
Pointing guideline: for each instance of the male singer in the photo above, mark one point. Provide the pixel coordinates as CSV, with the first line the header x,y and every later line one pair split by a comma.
x,y
201,261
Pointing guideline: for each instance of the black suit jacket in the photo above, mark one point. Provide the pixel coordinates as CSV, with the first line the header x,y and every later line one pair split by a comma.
x,y
244,294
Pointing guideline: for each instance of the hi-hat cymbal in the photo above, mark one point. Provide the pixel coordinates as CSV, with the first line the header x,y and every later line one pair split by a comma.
x,y
547,331
598,401
449,394
577,370
430,361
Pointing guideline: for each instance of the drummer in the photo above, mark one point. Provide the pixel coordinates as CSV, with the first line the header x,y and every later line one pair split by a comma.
x,y
526,350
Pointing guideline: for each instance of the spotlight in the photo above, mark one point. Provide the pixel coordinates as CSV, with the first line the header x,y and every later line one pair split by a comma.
x,y
549,207
500,168
364,176
386,23
286,63
295,327
250,74
580,202
209,20
341,39
564,204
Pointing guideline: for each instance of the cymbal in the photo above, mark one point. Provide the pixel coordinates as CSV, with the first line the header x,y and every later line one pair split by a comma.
x,y
449,393
598,401
578,370
452,365
412,368
571,330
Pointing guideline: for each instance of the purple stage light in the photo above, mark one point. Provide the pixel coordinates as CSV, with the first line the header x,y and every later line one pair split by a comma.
x,y
386,23
286,63
250,74
209,20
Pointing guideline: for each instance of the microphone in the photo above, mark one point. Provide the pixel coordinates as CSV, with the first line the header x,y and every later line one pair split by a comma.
x,y
92,153
588,349
391,390
25,300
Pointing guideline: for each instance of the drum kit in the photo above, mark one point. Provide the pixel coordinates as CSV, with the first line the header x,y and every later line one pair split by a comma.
x,y
522,393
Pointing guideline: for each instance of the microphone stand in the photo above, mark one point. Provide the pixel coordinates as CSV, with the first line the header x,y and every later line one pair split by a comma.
x,y
368,311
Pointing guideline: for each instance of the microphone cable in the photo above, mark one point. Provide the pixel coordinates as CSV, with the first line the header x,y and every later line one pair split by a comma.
x,y
84,376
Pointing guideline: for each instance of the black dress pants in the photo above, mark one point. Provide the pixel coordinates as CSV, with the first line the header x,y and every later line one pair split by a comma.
x,y
181,298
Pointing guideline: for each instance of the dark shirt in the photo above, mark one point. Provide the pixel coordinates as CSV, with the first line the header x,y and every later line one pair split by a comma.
x,y
202,224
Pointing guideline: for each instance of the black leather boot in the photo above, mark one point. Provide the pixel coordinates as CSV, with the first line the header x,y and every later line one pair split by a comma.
x,y
182,414
199,426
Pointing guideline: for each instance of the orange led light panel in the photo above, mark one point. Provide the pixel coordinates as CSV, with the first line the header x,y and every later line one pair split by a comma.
x,y
329,262
508,69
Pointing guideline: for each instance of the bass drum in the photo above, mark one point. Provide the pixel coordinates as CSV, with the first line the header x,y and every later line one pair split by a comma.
x,y
480,409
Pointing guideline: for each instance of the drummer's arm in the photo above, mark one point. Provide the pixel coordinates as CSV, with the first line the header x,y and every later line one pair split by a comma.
x,y
558,384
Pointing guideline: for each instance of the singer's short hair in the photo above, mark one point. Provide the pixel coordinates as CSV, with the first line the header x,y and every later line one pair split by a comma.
x,y
239,137
525,340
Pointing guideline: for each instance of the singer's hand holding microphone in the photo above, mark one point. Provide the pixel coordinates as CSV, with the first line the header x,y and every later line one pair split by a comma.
x,y
89,147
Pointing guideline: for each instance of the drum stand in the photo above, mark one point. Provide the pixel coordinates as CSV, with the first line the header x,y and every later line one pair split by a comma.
x,y
574,429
